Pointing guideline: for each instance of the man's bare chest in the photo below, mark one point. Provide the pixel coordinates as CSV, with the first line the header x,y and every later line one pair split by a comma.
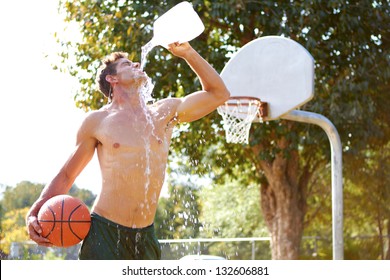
x,y
131,132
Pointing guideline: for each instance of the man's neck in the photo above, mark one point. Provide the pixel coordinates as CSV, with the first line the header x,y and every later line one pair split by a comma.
x,y
126,97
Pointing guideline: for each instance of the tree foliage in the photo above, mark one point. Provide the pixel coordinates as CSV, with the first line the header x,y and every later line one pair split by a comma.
x,y
233,210
349,41
13,228
22,195
177,215
370,184
87,196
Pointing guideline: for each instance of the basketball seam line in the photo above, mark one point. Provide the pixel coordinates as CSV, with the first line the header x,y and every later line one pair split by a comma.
x,y
54,224
62,218
70,215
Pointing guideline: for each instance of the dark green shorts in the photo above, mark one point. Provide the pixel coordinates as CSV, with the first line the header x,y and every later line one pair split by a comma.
x,y
107,240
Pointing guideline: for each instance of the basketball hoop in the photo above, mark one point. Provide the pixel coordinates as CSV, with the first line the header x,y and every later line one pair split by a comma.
x,y
238,114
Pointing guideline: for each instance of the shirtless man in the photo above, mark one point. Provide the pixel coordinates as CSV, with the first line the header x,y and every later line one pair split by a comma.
x,y
132,142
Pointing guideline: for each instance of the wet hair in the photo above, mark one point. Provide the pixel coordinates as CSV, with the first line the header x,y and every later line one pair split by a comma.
x,y
108,67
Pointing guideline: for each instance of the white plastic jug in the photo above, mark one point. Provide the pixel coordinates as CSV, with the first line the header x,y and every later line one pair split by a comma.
x,y
180,24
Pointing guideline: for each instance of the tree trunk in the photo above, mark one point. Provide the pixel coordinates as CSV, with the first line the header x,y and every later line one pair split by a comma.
x,y
283,203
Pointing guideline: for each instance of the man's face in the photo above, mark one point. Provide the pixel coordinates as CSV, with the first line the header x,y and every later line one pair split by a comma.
x,y
129,72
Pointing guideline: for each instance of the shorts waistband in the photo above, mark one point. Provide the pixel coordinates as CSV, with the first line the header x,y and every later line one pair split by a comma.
x,y
119,226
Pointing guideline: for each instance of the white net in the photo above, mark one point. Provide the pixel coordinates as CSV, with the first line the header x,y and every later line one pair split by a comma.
x,y
238,115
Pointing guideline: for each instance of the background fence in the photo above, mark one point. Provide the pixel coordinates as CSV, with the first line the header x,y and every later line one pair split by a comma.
x,y
251,248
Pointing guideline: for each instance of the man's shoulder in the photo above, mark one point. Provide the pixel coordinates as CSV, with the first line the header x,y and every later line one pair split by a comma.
x,y
170,102
97,114
166,107
93,118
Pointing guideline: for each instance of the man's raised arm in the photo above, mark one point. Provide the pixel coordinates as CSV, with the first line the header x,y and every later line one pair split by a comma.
x,y
214,92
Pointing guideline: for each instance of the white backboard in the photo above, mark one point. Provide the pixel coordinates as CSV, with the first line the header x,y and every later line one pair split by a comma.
x,y
275,69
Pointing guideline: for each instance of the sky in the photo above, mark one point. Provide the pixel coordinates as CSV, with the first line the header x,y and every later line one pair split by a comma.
x,y
38,117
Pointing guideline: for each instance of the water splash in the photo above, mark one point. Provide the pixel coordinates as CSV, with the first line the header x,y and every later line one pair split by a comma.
x,y
138,237
145,51
146,91
118,241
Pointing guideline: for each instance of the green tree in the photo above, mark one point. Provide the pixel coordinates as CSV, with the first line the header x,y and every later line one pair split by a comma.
x,y
25,193
14,228
14,204
87,196
349,41
371,184
177,217
22,195
177,214
232,209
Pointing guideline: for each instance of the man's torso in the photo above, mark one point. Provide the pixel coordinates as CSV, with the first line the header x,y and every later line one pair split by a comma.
x,y
132,149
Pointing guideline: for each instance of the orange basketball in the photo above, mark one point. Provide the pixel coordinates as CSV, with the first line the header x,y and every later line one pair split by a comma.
x,y
65,220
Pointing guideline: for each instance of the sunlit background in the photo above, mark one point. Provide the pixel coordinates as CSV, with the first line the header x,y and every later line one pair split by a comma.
x,y
38,117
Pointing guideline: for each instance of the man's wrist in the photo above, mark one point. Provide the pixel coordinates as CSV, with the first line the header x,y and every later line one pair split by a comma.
x,y
190,55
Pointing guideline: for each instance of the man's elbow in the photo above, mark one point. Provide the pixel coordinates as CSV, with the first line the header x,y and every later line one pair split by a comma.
x,y
220,94
224,95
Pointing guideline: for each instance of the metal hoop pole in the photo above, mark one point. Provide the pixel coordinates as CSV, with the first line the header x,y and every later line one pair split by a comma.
x,y
337,173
